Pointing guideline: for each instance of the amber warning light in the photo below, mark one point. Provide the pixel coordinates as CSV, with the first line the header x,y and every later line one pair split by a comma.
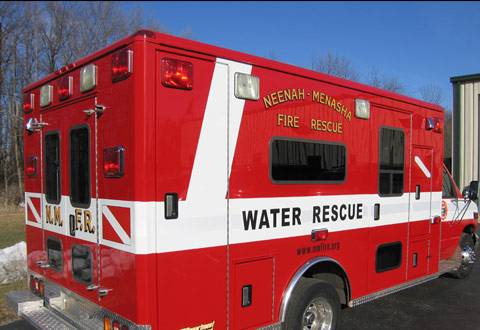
x,y
177,74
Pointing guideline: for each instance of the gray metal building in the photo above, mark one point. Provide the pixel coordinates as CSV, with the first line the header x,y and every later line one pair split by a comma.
x,y
465,134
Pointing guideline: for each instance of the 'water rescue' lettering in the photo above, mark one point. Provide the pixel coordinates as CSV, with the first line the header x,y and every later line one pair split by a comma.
x,y
285,217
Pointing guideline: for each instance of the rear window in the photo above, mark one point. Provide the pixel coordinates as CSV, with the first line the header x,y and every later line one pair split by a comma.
x,y
307,161
52,168
80,167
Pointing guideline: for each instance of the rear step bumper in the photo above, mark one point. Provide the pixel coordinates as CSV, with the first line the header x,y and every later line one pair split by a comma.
x,y
30,307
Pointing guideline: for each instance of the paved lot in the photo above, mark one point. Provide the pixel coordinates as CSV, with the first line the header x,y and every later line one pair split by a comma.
x,y
442,304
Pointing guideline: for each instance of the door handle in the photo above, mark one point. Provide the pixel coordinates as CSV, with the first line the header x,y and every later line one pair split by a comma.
x,y
376,212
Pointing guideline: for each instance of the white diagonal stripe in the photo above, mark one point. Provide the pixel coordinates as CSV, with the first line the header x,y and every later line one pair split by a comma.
x,y
34,210
115,225
422,166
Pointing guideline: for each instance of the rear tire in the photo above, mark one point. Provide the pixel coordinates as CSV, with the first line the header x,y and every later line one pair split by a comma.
x,y
467,247
314,305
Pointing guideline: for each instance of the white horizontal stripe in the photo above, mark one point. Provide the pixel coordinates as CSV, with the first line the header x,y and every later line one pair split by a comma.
x,y
152,233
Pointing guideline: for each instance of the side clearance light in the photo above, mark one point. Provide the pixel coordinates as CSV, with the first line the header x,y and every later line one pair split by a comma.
x,y
65,88
88,77
122,64
319,234
28,102
113,162
107,323
46,95
247,87
177,74
362,108
31,166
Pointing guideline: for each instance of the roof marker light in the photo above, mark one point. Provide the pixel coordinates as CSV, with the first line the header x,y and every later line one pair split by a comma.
x,y
65,88
247,87
88,77
46,95
177,74
362,108
122,64
28,102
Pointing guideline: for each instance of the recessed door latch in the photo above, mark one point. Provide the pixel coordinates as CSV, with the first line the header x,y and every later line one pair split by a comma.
x,y
99,109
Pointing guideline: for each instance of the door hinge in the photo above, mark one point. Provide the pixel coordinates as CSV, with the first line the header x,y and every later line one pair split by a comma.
x,y
99,109
33,125
103,292
43,264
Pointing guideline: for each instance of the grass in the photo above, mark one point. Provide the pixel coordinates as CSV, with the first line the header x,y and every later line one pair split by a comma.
x,y
13,228
13,231
6,313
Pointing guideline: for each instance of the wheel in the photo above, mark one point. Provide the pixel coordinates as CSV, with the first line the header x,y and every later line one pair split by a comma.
x,y
467,246
314,305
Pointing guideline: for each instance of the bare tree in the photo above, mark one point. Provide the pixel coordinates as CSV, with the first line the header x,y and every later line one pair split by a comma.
x,y
335,65
431,93
393,84
37,38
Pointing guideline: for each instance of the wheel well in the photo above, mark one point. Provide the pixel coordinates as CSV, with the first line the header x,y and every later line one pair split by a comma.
x,y
334,275
325,269
470,229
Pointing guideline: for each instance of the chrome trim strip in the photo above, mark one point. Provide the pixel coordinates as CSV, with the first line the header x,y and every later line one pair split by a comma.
x,y
386,292
298,275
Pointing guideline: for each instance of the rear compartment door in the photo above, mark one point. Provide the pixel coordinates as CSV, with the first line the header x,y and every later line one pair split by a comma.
x,y
70,196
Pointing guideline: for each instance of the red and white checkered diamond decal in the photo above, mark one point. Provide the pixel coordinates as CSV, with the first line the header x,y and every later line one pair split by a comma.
x,y
32,203
116,224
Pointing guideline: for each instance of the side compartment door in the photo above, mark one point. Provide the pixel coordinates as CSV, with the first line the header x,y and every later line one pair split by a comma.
x,y
389,229
423,250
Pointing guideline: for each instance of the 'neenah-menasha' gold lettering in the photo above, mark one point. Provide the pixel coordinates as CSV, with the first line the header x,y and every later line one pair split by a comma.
x,y
332,103
282,96
295,94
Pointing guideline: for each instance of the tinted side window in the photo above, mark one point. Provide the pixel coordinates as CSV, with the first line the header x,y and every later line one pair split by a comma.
x,y
391,169
447,187
80,167
299,161
52,168
389,256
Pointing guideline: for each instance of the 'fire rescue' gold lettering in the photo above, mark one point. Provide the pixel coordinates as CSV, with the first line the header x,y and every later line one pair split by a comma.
x,y
53,217
83,221
327,126
287,120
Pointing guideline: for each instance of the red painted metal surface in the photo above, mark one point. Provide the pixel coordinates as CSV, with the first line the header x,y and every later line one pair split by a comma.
x,y
160,128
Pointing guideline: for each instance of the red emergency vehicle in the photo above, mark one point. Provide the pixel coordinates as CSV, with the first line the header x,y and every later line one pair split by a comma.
x,y
171,184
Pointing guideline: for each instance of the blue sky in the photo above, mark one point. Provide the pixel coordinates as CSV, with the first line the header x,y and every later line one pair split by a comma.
x,y
419,42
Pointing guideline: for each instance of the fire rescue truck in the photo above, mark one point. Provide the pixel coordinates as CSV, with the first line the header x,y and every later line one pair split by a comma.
x,y
171,184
